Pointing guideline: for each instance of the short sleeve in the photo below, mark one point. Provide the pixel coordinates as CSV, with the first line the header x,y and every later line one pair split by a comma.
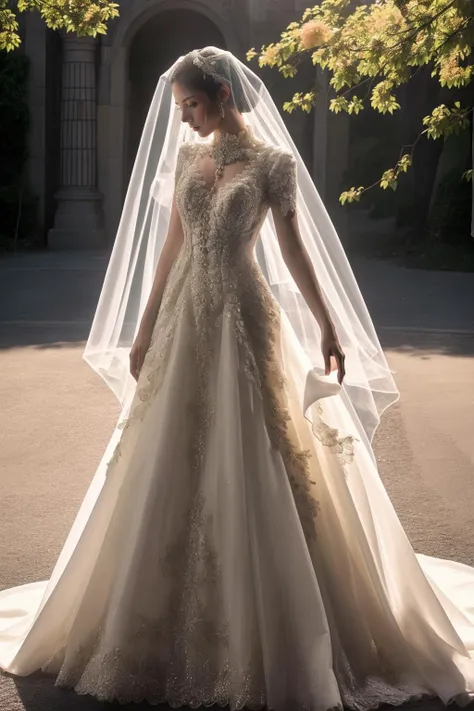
x,y
282,184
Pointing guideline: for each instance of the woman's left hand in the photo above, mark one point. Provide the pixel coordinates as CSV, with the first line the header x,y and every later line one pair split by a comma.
x,y
331,348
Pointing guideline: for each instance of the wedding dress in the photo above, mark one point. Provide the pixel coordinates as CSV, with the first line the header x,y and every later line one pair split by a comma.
x,y
235,554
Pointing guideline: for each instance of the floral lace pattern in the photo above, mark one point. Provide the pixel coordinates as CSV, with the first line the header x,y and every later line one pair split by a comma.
x,y
181,658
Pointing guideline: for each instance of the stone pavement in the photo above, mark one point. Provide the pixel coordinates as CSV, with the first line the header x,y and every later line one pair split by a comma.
x,y
57,416
63,288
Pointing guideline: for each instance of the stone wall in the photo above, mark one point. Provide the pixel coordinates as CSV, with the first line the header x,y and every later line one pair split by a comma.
x,y
105,88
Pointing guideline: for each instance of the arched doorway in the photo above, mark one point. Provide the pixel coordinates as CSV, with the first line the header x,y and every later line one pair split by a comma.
x,y
154,48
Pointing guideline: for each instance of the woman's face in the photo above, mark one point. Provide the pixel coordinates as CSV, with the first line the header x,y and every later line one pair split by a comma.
x,y
197,109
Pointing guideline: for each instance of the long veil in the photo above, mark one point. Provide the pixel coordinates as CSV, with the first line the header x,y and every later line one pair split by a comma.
x,y
369,386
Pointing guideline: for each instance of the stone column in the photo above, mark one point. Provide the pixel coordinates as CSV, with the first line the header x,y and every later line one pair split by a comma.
x,y
78,219
35,47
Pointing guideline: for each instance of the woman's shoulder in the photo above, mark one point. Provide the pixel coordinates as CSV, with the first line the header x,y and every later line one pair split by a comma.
x,y
187,149
186,154
278,161
281,178
278,157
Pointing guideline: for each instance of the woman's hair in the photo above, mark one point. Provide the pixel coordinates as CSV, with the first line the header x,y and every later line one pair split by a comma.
x,y
193,77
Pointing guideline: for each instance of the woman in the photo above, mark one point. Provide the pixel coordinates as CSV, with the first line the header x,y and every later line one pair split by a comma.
x,y
237,545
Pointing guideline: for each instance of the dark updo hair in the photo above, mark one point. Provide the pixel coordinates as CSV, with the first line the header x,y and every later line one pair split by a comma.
x,y
192,76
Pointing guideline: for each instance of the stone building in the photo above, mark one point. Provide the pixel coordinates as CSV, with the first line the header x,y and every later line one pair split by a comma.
x,y
89,97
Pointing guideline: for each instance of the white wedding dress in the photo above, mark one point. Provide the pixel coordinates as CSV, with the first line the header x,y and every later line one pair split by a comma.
x,y
234,552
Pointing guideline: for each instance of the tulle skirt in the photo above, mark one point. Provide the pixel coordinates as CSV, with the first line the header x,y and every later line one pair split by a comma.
x,y
234,551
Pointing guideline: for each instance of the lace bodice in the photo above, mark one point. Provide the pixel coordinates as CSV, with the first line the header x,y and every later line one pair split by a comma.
x,y
225,219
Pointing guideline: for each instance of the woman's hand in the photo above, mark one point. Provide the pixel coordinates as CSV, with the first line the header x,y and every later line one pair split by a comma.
x,y
301,269
331,348
138,351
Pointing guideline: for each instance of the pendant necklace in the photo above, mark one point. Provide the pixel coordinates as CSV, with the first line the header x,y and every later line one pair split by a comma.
x,y
227,148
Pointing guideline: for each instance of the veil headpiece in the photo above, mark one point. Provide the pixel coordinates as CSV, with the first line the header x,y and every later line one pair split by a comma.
x,y
369,387
208,65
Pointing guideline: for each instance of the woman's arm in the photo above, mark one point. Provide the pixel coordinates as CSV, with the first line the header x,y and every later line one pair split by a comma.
x,y
301,269
170,251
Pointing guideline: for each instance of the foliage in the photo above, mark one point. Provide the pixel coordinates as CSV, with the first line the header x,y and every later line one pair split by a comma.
x,y
370,51
84,17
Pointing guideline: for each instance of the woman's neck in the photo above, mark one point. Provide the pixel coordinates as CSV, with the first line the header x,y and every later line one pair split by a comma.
x,y
231,124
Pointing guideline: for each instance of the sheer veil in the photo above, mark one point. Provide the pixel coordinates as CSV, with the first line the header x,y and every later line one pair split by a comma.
x,y
369,386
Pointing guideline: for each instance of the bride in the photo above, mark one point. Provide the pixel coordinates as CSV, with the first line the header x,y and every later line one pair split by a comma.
x,y
236,545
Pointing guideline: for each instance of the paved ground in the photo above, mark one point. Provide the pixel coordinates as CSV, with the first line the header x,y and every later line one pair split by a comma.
x,y
57,415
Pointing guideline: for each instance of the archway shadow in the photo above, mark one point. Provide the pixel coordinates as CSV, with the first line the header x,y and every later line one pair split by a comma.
x,y
155,46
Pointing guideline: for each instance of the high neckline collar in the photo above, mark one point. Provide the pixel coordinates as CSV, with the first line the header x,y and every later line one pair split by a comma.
x,y
228,148
243,138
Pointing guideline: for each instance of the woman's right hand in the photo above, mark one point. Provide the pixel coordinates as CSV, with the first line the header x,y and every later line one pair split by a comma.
x,y
138,351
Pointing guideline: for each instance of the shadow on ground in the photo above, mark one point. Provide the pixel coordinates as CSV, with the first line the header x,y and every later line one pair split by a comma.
x,y
419,343
42,337
48,300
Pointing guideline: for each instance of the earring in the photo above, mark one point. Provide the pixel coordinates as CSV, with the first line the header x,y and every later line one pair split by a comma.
x,y
221,109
